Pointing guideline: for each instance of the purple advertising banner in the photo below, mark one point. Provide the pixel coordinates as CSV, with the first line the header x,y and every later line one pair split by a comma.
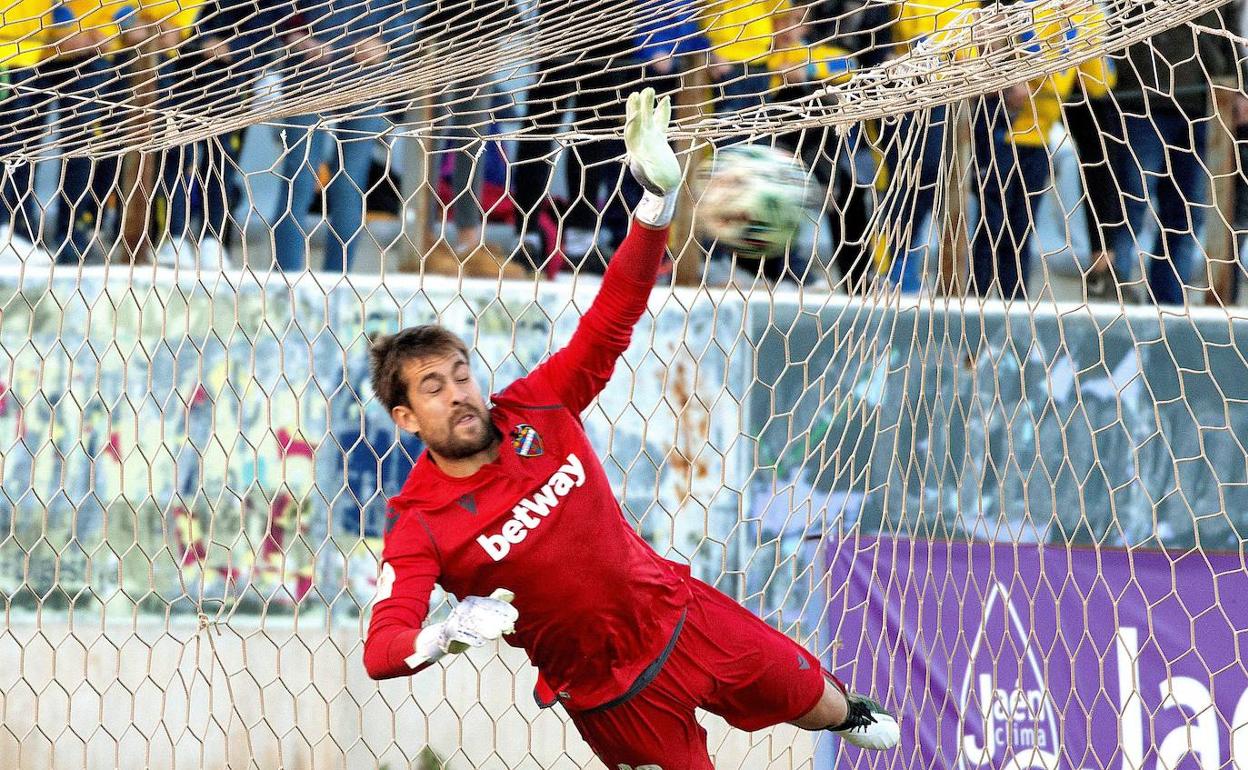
x,y
1009,656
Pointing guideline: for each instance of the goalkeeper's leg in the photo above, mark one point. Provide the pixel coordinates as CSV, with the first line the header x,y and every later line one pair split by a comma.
x,y
765,678
857,718
727,661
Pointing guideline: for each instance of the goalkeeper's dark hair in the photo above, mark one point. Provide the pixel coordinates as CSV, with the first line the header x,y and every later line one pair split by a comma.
x,y
389,352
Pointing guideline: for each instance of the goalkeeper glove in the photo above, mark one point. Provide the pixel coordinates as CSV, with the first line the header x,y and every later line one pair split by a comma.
x,y
868,725
650,158
474,621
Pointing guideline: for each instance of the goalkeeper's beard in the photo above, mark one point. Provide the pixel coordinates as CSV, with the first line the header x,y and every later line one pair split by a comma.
x,y
457,446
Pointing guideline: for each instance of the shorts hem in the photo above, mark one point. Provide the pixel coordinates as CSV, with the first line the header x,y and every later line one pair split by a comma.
x,y
753,725
811,706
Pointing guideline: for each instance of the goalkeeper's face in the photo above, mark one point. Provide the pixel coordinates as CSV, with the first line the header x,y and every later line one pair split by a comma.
x,y
445,406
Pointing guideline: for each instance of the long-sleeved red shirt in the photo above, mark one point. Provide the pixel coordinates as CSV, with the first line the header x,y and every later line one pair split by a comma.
x,y
597,605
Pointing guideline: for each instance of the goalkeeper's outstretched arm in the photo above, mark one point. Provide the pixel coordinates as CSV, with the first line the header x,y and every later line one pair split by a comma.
x,y
404,587
578,372
399,643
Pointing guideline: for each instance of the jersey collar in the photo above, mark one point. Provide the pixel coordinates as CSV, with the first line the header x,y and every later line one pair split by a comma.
x,y
430,488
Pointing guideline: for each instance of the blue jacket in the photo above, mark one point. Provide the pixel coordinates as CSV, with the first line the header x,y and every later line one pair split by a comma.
x,y
669,28
250,26
252,30
343,23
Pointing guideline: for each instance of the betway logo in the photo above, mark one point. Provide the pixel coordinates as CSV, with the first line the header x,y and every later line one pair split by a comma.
x,y
530,512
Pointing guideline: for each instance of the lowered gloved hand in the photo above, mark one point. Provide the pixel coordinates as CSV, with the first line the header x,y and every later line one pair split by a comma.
x,y
473,622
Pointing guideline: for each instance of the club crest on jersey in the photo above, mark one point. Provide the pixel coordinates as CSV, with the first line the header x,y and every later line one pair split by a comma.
x,y
525,441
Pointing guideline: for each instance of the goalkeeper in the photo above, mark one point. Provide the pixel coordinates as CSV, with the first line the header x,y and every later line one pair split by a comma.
x,y
510,511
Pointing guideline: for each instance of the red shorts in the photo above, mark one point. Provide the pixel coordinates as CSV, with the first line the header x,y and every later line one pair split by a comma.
x,y
726,661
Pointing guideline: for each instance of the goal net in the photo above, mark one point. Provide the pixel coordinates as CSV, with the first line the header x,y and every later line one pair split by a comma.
x,y
976,435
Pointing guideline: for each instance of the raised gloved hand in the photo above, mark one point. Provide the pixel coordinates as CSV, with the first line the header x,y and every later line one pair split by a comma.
x,y
650,157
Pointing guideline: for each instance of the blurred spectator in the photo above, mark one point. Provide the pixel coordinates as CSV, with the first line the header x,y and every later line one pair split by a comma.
x,y
351,41
843,166
741,39
1011,158
224,47
914,144
668,33
66,59
23,33
1239,221
84,71
592,86
467,119
1165,91
466,111
740,34
1090,116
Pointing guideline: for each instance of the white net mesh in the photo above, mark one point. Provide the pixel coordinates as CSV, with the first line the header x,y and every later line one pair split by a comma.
x,y
977,436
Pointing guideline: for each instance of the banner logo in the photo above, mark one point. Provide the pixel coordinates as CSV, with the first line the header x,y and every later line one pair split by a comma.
x,y
1008,721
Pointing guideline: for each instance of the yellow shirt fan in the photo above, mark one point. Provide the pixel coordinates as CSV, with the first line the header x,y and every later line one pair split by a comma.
x,y
24,25
1061,32
920,19
824,63
30,29
742,30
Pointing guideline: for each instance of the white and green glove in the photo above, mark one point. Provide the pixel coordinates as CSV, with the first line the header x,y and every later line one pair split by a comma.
x,y
650,158
474,621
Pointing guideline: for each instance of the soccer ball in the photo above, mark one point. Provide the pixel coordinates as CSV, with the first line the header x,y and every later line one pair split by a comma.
x,y
753,199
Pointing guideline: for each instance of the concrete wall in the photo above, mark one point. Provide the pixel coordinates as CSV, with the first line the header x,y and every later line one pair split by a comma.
x,y
274,694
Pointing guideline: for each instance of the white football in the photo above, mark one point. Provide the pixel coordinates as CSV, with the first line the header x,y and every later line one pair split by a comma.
x,y
752,199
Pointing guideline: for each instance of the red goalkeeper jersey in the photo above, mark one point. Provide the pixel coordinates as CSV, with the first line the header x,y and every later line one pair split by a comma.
x,y
597,605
